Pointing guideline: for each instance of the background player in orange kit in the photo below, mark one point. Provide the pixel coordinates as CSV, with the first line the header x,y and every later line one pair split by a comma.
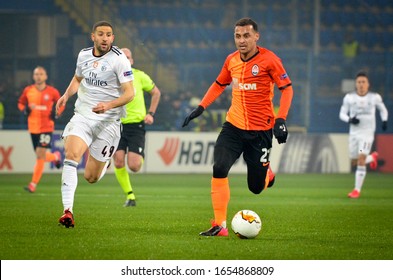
x,y
250,121
37,101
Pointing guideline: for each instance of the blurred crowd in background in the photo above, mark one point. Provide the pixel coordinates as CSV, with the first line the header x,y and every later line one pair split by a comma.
x,y
182,45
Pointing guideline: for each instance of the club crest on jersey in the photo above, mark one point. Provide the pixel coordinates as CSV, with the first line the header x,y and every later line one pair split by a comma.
x,y
103,68
95,64
255,70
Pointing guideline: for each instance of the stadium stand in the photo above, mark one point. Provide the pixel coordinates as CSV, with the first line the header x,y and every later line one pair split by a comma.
x,y
192,38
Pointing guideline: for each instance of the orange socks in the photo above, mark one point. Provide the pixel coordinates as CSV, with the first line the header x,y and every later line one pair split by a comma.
x,y
220,198
267,181
38,170
49,157
40,166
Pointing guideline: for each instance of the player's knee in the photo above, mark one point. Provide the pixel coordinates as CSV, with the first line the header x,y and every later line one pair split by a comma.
x,y
119,163
256,189
135,167
256,186
91,178
256,181
220,170
134,162
72,156
361,161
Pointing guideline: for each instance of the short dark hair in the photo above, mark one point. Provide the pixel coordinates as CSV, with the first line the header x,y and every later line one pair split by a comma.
x,y
247,21
101,23
362,74
40,67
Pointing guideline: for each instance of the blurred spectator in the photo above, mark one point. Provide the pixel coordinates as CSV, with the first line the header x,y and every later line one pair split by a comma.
x,y
176,114
177,106
350,52
183,108
164,122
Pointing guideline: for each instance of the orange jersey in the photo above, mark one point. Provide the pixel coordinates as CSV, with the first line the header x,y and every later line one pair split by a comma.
x,y
41,104
252,89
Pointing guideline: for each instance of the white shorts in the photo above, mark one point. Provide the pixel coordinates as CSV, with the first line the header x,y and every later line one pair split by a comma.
x,y
360,144
102,137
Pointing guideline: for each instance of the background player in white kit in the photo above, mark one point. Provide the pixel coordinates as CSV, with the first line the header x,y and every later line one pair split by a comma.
x,y
358,109
103,79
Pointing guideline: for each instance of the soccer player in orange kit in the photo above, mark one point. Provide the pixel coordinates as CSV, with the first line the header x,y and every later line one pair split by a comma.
x,y
37,101
250,122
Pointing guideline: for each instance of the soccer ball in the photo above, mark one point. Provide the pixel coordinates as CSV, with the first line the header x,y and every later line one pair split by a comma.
x,y
246,224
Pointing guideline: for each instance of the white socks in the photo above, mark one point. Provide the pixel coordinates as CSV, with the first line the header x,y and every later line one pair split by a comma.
x,y
69,182
360,174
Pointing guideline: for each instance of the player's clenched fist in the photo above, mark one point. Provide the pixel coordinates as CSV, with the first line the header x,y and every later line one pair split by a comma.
x,y
280,131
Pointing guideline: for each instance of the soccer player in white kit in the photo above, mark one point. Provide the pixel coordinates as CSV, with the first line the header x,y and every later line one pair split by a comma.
x,y
103,80
358,109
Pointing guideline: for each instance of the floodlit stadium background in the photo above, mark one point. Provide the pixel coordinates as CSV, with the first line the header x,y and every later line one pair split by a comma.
x,y
182,45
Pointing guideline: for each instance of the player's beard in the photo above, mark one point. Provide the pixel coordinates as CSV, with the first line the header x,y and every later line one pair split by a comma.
x,y
104,50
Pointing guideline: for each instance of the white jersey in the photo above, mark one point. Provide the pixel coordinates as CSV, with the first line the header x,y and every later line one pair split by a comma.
x,y
363,108
102,79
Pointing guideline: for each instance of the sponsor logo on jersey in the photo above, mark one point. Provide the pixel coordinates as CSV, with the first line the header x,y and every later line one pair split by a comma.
x,y
243,86
39,107
248,86
92,80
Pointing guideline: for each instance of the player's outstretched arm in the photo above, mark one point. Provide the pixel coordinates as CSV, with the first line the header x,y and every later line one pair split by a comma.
x,y
194,114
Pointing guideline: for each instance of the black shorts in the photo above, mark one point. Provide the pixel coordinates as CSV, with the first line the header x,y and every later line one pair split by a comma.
x,y
43,140
133,138
255,145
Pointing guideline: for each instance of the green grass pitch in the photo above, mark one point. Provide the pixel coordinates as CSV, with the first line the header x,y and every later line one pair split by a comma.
x,y
305,217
